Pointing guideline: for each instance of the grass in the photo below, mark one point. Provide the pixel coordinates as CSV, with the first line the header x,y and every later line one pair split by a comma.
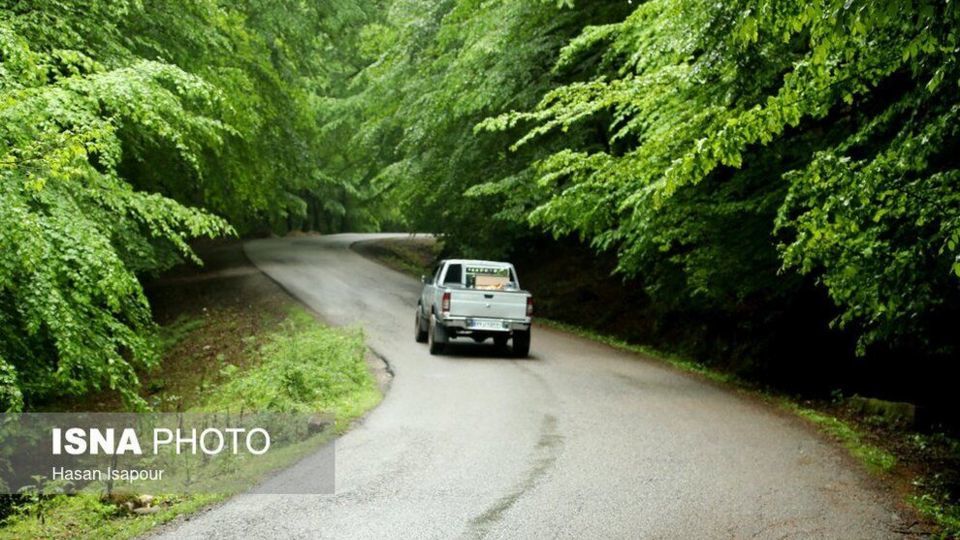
x,y
305,367
876,459
937,507
300,365
935,492
86,516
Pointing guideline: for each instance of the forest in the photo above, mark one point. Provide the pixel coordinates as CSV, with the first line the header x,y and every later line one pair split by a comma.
x,y
775,183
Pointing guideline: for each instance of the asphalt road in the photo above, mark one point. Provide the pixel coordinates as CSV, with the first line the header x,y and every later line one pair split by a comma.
x,y
578,441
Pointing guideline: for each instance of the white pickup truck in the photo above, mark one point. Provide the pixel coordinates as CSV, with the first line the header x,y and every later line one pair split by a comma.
x,y
474,299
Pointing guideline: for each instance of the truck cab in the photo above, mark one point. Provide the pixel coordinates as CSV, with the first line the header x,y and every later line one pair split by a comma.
x,y
476,299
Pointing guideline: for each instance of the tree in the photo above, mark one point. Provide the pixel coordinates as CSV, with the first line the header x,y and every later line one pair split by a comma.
x,y
840,114
119,121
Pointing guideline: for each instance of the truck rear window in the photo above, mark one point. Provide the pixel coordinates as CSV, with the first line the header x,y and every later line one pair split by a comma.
x,y
489,278
454,275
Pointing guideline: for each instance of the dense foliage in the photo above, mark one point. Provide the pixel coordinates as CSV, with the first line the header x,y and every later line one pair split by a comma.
x,y
735,156
435,70
736,159
839,116
119,120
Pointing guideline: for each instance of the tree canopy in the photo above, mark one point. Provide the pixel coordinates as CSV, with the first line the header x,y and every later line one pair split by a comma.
x,y
723,151
846,110
128,128
733,156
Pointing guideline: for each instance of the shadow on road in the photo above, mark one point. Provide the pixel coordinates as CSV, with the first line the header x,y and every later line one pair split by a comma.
x,y
486,350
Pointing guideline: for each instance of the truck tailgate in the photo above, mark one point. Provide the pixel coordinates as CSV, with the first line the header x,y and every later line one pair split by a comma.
x,y
494,304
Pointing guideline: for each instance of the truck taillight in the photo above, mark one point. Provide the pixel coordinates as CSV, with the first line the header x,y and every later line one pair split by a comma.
x,y
529,306
445,303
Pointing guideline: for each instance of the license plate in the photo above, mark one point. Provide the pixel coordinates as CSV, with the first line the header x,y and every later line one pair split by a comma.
x,y
485,325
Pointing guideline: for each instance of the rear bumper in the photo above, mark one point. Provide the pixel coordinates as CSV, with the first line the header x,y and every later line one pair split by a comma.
x,y
462,324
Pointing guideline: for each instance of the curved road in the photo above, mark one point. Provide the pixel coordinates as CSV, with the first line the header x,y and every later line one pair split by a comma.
x,y
578,441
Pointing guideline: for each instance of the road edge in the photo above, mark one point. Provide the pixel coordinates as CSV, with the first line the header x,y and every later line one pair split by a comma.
x,y
377,364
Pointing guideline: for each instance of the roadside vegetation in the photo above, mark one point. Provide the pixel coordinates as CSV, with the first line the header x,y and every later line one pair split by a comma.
x,y
231,340
303,366
127,129
299,366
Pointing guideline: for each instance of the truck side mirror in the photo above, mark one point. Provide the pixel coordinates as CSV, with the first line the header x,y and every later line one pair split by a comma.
x,y
423,279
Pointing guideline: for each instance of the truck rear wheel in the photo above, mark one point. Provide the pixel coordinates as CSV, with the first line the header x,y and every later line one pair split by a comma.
x,y
419,329
436,336
521,344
